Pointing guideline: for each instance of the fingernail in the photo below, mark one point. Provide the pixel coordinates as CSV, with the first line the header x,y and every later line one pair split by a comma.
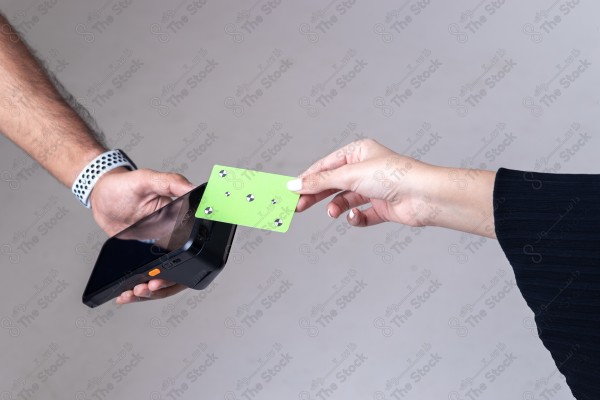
x,y
295,185
329,213
351,214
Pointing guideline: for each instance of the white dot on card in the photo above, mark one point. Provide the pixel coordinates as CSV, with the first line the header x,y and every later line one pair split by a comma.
x,y
208,210
227,194
278,222
222,173
273,201
250,197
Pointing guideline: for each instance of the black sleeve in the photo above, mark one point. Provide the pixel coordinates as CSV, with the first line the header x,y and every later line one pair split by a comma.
x,y
548,225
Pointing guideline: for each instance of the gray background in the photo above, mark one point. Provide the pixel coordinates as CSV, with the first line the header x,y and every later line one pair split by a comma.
x,y
53,346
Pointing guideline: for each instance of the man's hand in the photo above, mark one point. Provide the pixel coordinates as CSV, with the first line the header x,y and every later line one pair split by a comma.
x,y
46,121
122,197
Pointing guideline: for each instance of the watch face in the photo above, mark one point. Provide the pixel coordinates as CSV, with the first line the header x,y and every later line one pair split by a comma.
x,y
162,232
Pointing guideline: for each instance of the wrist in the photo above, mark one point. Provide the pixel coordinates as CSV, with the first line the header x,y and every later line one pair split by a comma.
x,y
102,186
428,195
83,160
94,171
462,200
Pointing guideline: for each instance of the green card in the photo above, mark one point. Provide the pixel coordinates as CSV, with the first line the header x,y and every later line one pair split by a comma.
x,y
250,198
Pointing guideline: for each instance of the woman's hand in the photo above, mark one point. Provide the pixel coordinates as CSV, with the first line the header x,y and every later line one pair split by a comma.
x,y
398,189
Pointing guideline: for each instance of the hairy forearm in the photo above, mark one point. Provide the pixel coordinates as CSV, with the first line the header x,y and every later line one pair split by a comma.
x,y
35,115
462,199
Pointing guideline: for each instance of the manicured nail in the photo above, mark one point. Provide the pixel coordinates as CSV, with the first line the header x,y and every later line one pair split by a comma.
x,y
329,213
295,185
351,214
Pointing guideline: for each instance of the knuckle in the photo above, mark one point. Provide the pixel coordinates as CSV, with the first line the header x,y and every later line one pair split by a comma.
x,y
311,182
179,177
148,174
368,141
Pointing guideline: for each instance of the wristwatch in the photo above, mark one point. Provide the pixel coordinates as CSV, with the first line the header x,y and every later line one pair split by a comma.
x,y
107,161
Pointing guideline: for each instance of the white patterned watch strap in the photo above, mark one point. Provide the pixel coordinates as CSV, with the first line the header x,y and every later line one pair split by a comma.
x,y
83,185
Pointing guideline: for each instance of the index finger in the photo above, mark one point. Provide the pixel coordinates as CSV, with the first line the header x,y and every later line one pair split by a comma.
x,y
335,159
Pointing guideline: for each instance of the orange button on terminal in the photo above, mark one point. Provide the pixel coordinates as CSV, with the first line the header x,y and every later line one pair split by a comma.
x,y
154,272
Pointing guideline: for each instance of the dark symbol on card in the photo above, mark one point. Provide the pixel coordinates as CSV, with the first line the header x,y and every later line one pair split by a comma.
x,y
250,197
273,201
227,194
278,222
222,173
208,210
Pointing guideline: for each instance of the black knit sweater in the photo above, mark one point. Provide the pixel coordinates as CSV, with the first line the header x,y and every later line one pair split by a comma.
x,y
548,225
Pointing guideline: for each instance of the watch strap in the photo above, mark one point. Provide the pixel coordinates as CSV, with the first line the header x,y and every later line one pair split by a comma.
x,y
107,161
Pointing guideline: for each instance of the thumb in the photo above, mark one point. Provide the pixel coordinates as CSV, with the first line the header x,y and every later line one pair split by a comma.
x,y
342,178
165,183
